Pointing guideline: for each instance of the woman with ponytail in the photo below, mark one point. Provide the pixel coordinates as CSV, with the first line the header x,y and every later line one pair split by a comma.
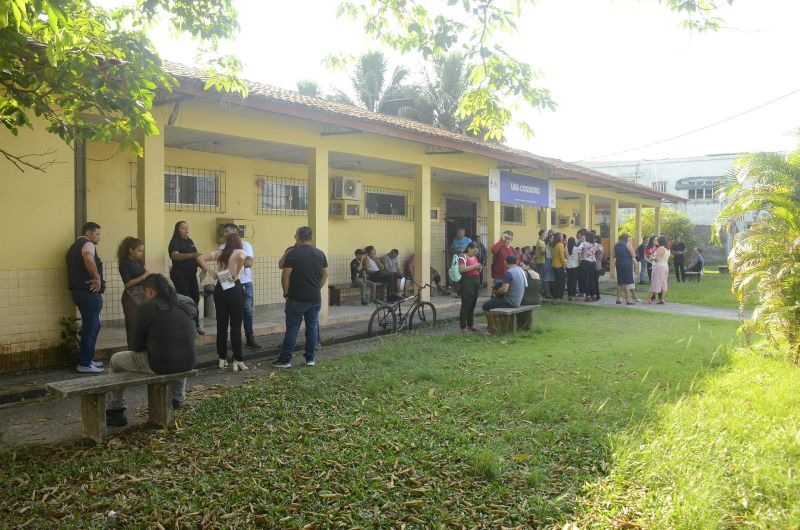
x,y
131,269
163,342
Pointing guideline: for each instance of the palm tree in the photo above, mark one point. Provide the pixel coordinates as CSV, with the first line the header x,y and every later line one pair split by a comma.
x,y
765,259
309,87
444,86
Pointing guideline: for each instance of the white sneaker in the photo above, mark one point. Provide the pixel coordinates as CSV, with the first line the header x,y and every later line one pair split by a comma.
x,y
223,364
277,364
98,364
91,369
311,363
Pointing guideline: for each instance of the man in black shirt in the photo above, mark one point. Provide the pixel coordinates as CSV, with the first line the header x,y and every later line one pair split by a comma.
x,y
86,283
679,259
303,275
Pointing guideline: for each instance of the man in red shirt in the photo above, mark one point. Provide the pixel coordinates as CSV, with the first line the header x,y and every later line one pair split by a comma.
x,y
500,251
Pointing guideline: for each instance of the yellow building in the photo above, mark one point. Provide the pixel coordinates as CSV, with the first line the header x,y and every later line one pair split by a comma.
x,y
273,162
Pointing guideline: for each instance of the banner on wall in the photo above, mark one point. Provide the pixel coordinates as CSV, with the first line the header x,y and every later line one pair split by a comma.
x,y
521,189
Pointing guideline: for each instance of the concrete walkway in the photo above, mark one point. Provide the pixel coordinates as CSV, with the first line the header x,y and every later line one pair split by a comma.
x,y
689,310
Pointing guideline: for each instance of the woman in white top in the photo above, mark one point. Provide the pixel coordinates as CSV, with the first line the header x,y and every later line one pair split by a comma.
x,y
573,269
660,272
228,298
377,273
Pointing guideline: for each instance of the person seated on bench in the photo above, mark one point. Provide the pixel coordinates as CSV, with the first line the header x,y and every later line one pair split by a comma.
x,y
391,265
436,278
698,262
508,292
358,277
377,272
163,342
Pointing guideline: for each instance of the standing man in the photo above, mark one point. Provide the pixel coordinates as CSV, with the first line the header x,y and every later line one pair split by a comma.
x,y
500,252
246,279
679,259
86,283
540,257
481,256
303,275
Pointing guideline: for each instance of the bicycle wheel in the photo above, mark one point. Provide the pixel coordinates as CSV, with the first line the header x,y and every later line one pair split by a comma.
x,y
383,320
422,316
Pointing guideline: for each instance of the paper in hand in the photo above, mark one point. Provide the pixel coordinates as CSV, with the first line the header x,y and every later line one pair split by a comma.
x,y
225,279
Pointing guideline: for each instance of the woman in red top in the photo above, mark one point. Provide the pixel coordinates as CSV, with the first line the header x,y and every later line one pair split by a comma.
x,y
470,268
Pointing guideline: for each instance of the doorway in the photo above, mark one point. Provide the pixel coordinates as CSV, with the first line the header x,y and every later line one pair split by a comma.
x,y
460,213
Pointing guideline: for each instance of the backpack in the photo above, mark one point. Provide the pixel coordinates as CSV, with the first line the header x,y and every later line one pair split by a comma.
x,y
453,271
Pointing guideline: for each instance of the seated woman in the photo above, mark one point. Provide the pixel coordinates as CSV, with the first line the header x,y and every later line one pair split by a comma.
x,y
376,272
163,342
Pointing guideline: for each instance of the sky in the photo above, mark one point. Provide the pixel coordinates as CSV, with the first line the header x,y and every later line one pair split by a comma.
x,y
623,73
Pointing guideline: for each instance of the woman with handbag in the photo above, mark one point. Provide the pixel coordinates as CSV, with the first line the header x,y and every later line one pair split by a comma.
x,y
131,269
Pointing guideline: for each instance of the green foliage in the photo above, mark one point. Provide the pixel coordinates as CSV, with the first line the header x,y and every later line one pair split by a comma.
x,y
498,83
70,339
765,258
92,73
673,224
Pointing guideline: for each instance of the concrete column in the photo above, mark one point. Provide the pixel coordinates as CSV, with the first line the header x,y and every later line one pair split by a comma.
x,y
150,216
547,219
657,220
318,210
613,236
422,227
585,211
492,236
638,234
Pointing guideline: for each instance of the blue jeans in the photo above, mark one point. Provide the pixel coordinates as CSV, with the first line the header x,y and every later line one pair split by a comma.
x,y
643,272
295,313
249,303
89,305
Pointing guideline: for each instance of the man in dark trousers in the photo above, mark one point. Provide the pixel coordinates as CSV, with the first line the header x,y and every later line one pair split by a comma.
x,y
86,283
304,273
481,256
679,259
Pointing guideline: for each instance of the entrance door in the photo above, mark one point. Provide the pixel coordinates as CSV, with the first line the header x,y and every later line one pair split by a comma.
x,y
459,214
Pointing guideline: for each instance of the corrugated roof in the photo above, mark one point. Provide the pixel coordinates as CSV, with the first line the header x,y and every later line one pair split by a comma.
x,y
327,111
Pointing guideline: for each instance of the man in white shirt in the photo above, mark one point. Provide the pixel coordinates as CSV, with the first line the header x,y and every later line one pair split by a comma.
x,y
246,279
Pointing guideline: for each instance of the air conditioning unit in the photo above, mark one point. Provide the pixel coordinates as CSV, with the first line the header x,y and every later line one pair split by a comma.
x,y
343,209
245,228
348,188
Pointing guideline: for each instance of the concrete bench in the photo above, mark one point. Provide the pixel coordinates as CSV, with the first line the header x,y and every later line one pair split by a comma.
x,y
693,277
92,391
335,292
511,319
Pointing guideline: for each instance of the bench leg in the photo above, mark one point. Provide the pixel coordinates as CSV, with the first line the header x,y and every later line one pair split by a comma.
x,y
159,403
335,296
506,324
93,416
524,320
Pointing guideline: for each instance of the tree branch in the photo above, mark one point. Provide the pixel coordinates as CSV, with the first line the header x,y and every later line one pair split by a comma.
x,y
21,163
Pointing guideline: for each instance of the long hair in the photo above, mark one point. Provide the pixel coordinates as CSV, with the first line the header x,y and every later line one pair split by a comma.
x,y
163,288
662,241
177,226
556,240
232,242
128,244
651,241
570,244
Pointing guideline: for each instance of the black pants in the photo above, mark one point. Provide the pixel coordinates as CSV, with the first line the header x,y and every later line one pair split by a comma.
x,y
572,281
680,268
186,284
587,278
596,283
470,286
560,275
230,309
129,309
384,277
697,267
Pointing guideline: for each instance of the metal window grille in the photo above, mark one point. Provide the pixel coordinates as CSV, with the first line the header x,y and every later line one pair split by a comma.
x,y
660,185
194,190
386,203
512,214
282,196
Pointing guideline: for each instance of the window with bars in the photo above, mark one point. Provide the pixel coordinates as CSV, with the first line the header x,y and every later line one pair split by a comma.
x,y
660,185
512,214
385,203
702,193
190,189
282,196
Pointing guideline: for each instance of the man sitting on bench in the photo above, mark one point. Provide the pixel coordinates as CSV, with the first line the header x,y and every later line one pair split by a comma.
x,y
697,264
507,293
163,342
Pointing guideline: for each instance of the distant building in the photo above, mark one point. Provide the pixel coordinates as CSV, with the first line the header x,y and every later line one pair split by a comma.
x,y
696,178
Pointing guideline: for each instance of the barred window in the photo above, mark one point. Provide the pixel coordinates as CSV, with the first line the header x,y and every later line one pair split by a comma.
x,y
193,189
511,214
282,196
660,185
387,203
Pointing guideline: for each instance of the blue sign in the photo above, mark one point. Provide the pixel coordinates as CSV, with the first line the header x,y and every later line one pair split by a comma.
x,y
522,189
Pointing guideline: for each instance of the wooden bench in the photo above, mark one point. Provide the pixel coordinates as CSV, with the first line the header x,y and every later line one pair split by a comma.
x,y
693,276
335,292
722,269
511,319
92,391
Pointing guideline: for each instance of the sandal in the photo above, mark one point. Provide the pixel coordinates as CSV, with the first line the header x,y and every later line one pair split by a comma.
x,y
619,301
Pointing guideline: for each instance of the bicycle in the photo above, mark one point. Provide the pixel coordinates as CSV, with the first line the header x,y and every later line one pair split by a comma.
x,y
389,317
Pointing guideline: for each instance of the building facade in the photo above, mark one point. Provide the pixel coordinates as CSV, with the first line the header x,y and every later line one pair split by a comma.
x,y
271,163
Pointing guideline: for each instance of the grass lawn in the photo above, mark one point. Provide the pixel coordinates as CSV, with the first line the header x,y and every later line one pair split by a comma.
x,y
713,290
580,421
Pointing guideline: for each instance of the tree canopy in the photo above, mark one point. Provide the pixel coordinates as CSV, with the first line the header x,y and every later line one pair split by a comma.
x,y
92,73
673,225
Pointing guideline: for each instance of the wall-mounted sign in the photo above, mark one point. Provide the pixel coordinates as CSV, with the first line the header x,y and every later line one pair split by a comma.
x,y
494,185
522,189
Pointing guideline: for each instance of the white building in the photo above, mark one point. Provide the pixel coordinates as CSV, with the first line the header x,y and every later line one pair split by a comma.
x,y
696,178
